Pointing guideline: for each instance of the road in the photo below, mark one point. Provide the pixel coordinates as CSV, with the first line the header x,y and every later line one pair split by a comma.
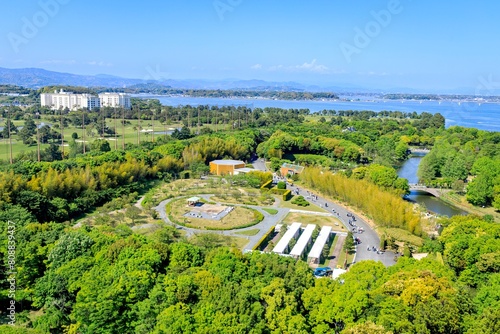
x,y
369,237
259,164
264,226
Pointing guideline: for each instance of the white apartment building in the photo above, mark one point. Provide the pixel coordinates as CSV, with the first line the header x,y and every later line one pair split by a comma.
x,y
62,100
115,100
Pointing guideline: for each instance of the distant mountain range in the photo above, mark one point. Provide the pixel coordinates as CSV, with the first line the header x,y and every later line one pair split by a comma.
x,y
37,78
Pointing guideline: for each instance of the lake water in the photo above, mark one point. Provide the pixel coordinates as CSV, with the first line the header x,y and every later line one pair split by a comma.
x,y
409,172
485,116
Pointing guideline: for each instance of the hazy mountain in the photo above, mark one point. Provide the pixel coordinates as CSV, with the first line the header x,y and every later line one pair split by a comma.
x,y
36,78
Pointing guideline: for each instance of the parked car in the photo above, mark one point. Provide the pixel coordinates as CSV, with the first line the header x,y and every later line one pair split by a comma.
x,y
323,271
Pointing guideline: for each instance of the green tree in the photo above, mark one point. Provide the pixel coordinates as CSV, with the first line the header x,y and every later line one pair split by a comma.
x,y
133,213
5,131
480,190
101,145
349,243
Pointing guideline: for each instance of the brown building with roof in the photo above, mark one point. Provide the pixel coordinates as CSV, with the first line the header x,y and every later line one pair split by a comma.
x,y
291,169
224,167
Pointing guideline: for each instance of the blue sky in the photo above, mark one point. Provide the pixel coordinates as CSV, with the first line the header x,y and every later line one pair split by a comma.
x,y
426,45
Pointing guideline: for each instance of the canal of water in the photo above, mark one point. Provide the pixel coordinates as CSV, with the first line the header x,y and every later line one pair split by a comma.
x,y
409,171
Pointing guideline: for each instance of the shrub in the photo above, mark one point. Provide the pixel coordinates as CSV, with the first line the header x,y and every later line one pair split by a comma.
x,y
300,201
281,185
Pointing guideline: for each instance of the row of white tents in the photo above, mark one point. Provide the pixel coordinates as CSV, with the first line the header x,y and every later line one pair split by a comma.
x,y
304,240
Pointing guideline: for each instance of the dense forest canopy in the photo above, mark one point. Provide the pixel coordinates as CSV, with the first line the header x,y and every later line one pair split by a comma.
x,y
96,280
107,278
467,161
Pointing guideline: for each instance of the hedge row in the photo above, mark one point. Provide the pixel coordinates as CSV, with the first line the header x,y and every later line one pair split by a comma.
x,y
267,185
277,191
265,238
287,195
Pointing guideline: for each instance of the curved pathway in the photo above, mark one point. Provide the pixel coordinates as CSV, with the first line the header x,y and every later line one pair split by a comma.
x,y
264,226
369,237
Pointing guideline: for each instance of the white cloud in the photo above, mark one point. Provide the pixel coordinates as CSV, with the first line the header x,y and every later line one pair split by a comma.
x,y
373,73
256,67
99,63
305,67
58,61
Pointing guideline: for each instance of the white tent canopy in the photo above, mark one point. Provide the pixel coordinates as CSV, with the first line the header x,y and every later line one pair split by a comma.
x,y
285,240
303,241
320,242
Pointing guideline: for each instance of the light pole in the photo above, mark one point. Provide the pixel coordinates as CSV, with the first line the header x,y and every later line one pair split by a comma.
x,y
153,125
10,139
37,115
116,138
83,127
62,134
123,128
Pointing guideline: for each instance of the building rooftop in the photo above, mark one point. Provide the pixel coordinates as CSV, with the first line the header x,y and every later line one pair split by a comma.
x,y
245,169
228,162
285,240
304,239
295,168
320,242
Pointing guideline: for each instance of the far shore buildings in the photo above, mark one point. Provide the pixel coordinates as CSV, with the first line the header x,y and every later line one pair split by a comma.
x,y
72,101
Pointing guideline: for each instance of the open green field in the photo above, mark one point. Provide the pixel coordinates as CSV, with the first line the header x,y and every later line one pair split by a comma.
x,y
320,220
17,147
237,218
460,202
211,239
402,235
310,207
131,133
249,233
243,196
326,261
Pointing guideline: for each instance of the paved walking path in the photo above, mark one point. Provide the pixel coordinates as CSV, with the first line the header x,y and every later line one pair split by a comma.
x,y
264,226
369,237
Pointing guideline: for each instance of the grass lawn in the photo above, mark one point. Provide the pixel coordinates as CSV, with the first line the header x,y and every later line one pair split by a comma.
x,y
310,207
350,258
249,232
17,147
402,235
326,261
237,218
222,192
216,240
127,134
320,220
239,243
240,195
461,202
270,211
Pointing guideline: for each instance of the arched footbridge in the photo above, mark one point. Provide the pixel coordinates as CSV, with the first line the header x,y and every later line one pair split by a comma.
x,y
436,192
